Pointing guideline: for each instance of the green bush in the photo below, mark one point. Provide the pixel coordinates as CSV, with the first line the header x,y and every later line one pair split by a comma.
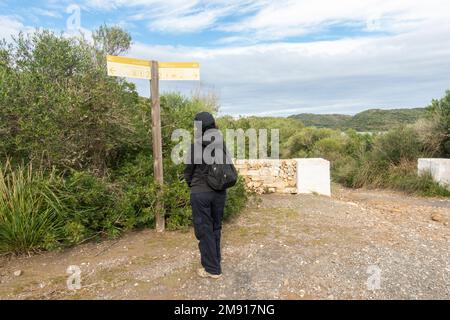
x,y
404,177
177,205
434,129
93,208
135,178
59,108
30,212
397,145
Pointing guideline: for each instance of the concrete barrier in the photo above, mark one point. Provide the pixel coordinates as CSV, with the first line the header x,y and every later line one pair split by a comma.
x,y
286,175
313,176
438,167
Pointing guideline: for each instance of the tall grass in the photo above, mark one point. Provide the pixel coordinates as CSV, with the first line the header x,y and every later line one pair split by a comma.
x,y
29,210
373,173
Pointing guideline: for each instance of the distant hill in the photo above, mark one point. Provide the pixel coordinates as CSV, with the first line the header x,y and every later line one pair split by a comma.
x,y
369,120
323,120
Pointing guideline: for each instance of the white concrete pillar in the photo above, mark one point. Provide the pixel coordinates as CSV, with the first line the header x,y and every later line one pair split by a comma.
x,y
313,175
438,167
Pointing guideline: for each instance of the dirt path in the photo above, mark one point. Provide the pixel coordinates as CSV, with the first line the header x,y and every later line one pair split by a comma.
x,y
285,247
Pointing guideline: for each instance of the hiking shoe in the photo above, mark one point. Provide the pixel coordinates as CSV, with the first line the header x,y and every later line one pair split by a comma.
x,y
205,274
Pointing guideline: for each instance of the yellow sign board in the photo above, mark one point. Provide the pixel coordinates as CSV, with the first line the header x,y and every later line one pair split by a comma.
x,y
128,67
179,71
141,69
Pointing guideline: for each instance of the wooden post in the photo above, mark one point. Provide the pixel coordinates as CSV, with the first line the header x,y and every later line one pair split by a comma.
x,y
157,146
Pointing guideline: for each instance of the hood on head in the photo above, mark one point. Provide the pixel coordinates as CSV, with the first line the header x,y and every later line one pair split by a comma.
x,y
208,123
207,120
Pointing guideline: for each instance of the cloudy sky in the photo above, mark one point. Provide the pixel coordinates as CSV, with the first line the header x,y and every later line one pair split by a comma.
x,y
275,57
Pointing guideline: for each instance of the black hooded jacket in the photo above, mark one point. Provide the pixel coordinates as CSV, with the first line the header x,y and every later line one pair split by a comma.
x,y
195,174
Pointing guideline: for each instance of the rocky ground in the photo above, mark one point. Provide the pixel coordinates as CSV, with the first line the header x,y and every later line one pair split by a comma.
x,y
355,245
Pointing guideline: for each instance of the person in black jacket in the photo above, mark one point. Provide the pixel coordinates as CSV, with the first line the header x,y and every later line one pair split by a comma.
x,y
207,204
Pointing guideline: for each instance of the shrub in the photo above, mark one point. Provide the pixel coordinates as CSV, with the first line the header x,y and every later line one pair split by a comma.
x,y
177,205
434,129
330,148
30,212
58,104
303,143
93,208
135,178
404,177
399,144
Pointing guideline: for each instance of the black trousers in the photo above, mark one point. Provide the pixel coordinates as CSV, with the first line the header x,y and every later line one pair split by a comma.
x,y
207,214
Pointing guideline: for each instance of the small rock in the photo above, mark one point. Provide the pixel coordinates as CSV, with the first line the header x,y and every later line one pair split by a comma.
x,y
18,273
436,217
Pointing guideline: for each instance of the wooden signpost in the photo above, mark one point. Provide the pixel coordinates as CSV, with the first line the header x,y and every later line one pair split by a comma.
x,y
154,71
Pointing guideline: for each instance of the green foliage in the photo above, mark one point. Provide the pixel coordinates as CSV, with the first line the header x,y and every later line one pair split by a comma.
x,y
437,127
111,40
287,128
177,205
59,108
384,160
94,208
397,145
135,177
372,120
384,120
302,142
29,210
404,177
332,121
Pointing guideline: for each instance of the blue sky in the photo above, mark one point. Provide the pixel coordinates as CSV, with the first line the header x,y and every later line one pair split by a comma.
x,y
274,57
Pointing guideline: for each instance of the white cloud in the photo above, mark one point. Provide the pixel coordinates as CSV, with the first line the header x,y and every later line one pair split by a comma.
x,y
152,5
46,13
264,20
187,23
405,65
281,19
347,75
11,26
177,16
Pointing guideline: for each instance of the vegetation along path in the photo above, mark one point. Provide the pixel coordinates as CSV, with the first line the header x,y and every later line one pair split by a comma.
x,y
283,247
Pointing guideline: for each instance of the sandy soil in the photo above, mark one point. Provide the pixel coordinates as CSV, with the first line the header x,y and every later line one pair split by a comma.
x,y
282,247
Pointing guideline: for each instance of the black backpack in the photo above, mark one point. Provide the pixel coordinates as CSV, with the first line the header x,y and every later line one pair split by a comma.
x,y
222,176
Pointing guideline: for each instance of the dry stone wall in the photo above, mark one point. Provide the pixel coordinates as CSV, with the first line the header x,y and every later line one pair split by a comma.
x,y
269,175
